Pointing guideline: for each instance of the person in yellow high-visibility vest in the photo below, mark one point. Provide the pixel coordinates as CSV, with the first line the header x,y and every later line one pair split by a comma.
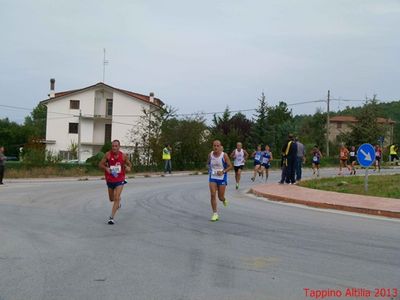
x,y
166,156
393,153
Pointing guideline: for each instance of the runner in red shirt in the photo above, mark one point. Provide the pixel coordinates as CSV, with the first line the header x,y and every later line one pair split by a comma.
x,y
343,157
115,164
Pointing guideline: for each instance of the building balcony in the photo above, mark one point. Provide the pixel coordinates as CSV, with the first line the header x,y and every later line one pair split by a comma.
x,y
96,117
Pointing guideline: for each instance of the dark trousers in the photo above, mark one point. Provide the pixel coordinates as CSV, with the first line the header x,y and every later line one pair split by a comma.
x,y
168,166
299,165
283,175
1,173
290,170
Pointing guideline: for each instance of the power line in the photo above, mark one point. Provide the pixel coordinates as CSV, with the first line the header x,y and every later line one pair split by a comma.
x,y
15,107
350,100
304,102
181,114
30,109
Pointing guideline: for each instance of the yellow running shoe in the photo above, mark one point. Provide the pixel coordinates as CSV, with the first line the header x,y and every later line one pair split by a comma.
x,y
225,202
214,217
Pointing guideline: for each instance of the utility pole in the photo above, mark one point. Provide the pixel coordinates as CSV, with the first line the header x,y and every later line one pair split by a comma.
x,y
327,123
149,146
105,62
79,136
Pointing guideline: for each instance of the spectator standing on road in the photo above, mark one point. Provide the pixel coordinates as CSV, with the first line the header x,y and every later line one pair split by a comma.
x,y
115,165
289,155
240,156
2,163
316,156
343,157
219,165
166,156
301,157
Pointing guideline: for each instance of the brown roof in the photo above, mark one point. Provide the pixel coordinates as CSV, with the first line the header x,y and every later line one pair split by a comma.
x,y
351,119
144,98
61,94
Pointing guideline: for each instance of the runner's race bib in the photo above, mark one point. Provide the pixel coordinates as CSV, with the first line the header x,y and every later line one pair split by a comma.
x,y
214,175
257,157
115,170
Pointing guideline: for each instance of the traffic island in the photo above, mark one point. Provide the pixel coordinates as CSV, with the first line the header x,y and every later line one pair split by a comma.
x,y
378,206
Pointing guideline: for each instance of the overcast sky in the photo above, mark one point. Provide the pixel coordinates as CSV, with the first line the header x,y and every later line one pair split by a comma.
x,y
202,55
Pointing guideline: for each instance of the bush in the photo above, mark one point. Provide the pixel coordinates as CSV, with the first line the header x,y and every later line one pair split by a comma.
x,y
106,147
95,159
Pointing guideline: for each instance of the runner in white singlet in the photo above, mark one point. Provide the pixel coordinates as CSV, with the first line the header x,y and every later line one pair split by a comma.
x,y
240,156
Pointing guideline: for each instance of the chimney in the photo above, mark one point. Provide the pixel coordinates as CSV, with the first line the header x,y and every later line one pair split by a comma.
x,y
151,97
52,89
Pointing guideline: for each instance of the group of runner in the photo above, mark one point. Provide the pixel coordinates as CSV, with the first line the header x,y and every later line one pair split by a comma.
x,y
115,165
219,164
262,161
348,159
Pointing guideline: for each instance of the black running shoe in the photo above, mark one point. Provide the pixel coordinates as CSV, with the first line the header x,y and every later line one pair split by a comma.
x,y
111,221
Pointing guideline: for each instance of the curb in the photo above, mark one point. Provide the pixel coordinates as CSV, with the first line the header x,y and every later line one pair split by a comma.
x,y
94,178
362,210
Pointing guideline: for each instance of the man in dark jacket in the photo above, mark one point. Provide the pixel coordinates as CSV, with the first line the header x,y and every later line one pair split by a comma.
x,y
289,157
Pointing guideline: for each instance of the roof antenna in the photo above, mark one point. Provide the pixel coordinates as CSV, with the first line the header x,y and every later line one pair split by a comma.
x,y
105,62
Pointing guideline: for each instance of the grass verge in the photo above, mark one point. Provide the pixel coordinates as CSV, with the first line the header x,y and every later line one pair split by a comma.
x,y
50,171
378,185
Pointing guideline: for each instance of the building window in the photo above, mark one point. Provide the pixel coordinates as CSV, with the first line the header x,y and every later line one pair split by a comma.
x,y
66,155
109,108
107,133
73,104
73,128
339,125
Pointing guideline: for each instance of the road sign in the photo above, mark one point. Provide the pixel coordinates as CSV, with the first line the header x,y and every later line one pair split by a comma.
x,y
366,155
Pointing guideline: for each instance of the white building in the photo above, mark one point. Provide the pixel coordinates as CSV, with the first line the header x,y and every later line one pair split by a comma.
x,y
91,116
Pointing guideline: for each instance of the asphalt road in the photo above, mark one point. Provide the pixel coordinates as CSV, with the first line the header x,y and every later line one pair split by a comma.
x,y
55,244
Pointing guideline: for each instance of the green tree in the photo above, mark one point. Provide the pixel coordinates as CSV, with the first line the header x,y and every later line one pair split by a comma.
x,y
367,129
146,134
280,124
36,121
191,145
13,136
311,129
220,127
260,132
230,130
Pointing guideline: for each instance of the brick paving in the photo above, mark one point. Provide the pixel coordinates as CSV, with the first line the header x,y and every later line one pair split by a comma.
x,y
379,206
